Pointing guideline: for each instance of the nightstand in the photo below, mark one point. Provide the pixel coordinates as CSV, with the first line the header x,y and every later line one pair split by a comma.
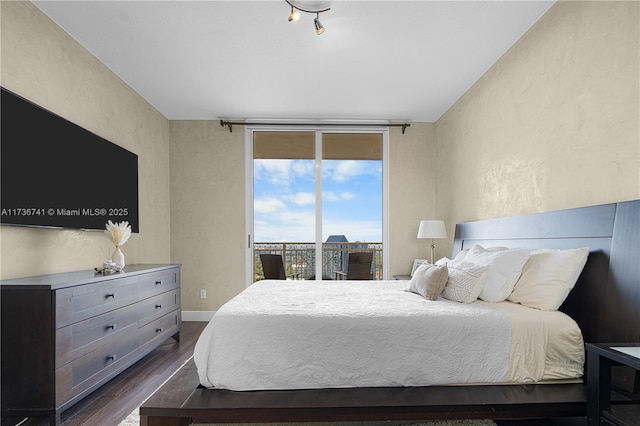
x,y
402,277
600,358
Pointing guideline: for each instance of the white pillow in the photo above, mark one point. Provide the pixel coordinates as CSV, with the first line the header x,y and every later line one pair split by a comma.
x,y
429,280
548,277
505,269
463,253
443,261
465,281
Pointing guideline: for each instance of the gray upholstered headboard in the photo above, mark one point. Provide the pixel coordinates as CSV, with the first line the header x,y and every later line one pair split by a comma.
x,y
606,299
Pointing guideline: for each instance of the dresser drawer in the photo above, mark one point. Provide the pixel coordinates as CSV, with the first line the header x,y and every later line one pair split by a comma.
x,y
78,339
158,282
106,357
157,306
159,330
81,302
74,378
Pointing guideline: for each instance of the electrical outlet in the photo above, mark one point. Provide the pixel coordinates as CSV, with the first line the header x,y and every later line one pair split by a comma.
x,y
203,293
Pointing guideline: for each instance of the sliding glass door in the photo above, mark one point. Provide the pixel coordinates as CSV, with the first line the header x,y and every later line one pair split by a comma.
x,y
352,206
284,201
315,196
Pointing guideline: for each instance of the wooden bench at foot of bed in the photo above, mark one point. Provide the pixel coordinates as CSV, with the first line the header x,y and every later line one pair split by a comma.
x,y
181,402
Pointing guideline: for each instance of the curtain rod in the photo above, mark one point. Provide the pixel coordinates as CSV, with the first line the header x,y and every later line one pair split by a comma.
x,y
230,124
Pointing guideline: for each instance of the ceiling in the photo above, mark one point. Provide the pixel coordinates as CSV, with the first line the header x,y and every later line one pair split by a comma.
x,y
377,60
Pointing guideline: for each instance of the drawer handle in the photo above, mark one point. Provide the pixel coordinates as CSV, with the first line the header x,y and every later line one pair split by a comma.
x,y
110,295
158,306
112,357
112,326
158,282
159,330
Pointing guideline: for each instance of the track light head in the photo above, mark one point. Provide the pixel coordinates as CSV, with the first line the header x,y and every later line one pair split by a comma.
x,y
295,15
319,27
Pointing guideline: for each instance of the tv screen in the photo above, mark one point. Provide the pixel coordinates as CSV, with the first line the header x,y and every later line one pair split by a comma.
x,y
56,174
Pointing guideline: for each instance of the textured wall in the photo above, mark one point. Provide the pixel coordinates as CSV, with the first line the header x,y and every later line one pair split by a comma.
x,y
208,233
207,211
553,124
45,65
412,194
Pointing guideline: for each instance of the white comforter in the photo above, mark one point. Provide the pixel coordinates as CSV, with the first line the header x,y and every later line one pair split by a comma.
x,y
332,334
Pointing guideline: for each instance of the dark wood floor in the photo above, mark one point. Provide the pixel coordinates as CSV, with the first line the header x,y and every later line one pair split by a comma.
x,y
112,403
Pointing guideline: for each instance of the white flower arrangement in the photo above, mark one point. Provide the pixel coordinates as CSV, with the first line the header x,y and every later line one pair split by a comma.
x,y
118,233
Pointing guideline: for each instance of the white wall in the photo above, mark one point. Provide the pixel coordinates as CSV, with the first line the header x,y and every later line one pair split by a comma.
x,y
44,64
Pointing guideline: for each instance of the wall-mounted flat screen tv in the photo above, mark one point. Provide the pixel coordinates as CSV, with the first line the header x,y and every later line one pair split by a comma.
x,y
56,174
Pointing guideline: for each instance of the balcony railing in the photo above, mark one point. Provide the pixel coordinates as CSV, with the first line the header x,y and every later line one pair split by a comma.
x,y
300,258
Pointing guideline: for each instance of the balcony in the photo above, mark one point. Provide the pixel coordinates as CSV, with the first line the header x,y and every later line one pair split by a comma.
x,y
300,258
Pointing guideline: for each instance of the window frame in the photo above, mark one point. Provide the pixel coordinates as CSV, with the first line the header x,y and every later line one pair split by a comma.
x,y
319,130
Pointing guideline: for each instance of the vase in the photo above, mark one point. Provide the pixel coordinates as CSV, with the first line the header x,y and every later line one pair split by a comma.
x,y
118,257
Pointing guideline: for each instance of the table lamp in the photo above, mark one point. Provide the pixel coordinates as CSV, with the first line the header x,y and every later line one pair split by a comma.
x,y
432,229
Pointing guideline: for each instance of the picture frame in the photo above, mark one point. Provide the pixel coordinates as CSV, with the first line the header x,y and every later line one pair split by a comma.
x,y
417,263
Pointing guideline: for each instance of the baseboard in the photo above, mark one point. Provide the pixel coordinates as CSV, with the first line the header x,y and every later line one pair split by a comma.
x,y
198,316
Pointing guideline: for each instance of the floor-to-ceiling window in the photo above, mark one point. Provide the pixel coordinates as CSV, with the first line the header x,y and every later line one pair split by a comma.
x,y
352,205
315,196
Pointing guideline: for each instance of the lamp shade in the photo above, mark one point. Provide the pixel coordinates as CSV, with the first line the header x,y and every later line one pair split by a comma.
x,y
432,229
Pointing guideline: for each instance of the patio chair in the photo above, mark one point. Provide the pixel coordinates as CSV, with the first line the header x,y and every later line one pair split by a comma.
x,y
273,267
358,266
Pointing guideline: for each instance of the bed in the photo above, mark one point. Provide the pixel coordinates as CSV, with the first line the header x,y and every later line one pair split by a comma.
x,y
603,304
337,334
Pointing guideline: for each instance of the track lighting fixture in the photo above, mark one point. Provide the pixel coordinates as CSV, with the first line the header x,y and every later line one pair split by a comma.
x,y
319,27
294,16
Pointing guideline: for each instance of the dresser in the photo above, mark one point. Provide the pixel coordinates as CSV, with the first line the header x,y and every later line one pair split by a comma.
x,y
64,335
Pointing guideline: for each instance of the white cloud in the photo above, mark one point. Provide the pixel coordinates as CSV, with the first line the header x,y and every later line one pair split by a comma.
x,y
301,198
347,195
276,172
333,197
287,226
344,170
281,172
304,168
330,196
268,205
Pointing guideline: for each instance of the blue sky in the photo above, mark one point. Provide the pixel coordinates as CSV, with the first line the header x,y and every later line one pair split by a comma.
x,y
284,200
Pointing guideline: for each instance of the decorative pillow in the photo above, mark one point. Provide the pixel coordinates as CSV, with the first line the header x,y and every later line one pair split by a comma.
x,y
429,280
548,277
505,269
465,281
